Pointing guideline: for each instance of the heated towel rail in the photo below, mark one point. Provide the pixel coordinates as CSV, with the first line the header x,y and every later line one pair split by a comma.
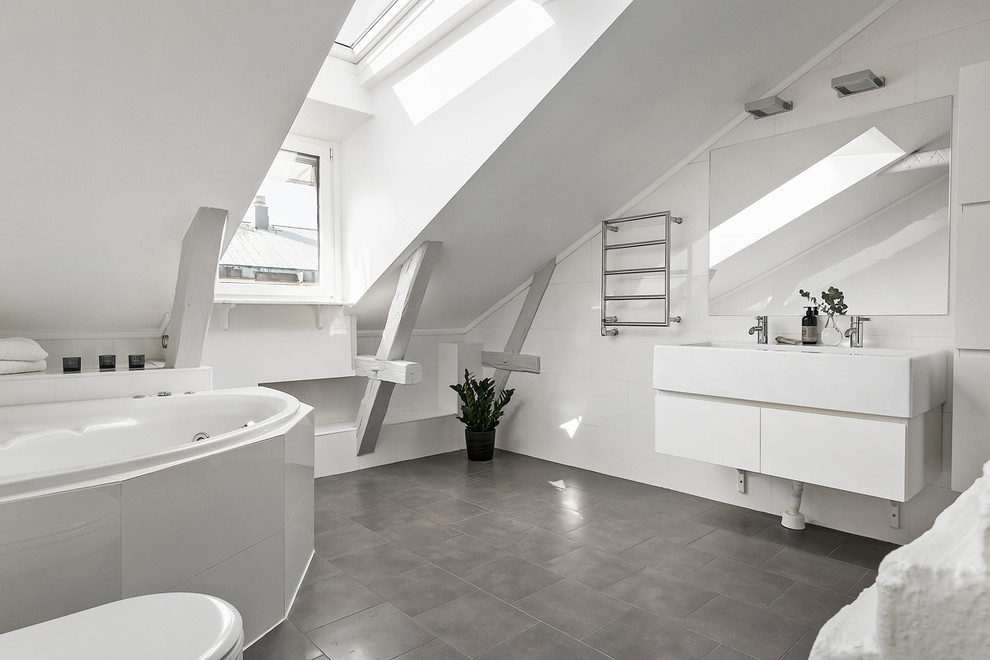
x,y
642,223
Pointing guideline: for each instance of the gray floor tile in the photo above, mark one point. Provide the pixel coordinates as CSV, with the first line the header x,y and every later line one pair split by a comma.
x,y
867,553
556,519
575,499
326,601
673,558
575,608
515,504
742,582
723,652
541,643
592,567
326,520
491,526
536,545
384,516
747,628
802,649
744,549
319,569
637,634
417,496
677,504
814,570
660,594
813,539
421,589
349,502
862,583
511,578
381,561
607,537
809,604
418,533
618,512
737,519
435,650
476,492
460,554
475,622
382,484
285,642
440,479
674,528
381,631
451,511
346,540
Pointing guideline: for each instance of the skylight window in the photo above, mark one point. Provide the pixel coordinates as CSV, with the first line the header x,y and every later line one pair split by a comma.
x,y
433,16
843,168
472,57
368,20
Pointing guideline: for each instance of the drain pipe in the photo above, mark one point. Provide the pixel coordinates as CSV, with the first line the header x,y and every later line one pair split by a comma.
x,y
793,518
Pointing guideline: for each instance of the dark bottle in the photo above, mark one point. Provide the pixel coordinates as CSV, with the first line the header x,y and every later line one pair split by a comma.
x,y
809,327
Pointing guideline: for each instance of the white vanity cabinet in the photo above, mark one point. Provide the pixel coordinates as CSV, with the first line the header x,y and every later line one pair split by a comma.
x,y
884,447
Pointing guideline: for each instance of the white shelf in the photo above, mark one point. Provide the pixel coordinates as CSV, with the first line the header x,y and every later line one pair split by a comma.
x,y
393,417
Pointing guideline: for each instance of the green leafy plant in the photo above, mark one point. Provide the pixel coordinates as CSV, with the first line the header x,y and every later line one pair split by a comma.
x,y
480,407
833,301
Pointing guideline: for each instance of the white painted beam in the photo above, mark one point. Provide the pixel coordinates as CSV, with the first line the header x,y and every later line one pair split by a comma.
x,y
525,320
409,292
192,305
401,372
511,361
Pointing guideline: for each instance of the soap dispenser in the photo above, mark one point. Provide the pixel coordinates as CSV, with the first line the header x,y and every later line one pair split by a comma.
x,y
809,326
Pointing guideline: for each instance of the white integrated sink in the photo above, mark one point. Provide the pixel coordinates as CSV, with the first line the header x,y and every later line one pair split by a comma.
x,y
874,381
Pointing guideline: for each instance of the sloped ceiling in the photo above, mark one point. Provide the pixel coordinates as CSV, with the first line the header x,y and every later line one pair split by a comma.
x,y
120,119
664,77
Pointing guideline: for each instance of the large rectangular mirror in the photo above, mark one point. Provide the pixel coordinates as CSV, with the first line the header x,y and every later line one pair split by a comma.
x,y
861,204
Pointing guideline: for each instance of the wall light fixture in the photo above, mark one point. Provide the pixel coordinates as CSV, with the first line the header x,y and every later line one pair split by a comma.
x,y
771,105
854,83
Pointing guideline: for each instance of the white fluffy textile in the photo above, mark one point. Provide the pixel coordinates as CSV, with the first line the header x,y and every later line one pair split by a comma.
x,y
22,366
21,349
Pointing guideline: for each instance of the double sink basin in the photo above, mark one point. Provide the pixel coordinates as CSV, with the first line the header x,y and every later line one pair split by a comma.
x,y
872,381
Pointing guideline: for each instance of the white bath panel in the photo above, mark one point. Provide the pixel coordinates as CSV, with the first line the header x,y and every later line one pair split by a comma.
x,y
179,521
299,459
298,546
58,555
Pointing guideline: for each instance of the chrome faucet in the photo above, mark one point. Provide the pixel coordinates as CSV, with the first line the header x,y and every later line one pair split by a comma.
x,y
760,329
855,331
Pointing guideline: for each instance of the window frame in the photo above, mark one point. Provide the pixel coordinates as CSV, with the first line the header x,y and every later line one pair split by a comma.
x,y
328,288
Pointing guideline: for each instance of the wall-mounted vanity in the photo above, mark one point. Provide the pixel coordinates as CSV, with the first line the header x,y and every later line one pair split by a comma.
x,y
861,420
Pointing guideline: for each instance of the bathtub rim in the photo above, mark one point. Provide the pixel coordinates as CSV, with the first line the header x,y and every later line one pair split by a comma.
x,y
40,484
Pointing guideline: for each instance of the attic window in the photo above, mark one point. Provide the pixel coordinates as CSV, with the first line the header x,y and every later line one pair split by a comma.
x,y
283,246
368,21
278,240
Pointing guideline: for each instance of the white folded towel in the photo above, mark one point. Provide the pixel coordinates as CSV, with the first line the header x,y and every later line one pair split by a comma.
x,y
21,348
22,366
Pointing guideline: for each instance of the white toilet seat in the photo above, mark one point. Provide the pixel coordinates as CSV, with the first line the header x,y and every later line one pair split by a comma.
x,y
170,626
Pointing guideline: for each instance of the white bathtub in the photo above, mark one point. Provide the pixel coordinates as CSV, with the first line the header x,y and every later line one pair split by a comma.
x,y
113,498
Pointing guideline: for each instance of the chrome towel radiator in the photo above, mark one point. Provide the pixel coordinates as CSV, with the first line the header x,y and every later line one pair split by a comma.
x,y
640,222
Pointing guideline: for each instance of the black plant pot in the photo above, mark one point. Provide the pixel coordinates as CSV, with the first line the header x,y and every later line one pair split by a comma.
x,y
480,445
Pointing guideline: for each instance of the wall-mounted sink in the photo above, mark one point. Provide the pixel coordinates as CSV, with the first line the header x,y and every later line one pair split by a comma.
x,y
875,381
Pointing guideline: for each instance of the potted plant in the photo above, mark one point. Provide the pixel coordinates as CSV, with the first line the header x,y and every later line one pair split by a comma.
x,y
833,302
481,409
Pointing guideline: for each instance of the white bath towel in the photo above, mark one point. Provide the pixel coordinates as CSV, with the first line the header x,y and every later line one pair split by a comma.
x,y
22,366
21,348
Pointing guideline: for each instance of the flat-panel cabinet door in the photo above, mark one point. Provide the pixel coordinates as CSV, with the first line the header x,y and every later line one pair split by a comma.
x,y
973,143
709,431
970,417
859,455
973,276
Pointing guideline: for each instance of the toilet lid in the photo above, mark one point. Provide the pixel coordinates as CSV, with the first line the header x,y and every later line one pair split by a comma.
x,y
171,626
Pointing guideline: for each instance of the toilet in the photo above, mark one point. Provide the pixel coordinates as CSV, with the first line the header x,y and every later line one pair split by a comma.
x,y
170,626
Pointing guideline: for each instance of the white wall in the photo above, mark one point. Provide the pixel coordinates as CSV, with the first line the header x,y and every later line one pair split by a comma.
x,y
919,47
398,176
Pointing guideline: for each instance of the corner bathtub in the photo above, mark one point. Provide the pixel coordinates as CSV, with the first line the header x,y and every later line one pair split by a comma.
x,y
112,498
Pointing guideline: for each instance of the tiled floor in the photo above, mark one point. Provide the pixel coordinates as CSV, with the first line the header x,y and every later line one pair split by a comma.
x,y
520,558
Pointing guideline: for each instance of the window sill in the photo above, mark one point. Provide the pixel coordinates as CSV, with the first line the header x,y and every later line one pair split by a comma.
x,y
321,305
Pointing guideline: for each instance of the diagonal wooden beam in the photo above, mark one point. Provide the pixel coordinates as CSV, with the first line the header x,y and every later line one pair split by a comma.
x,y
531,305
192,305
409,292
